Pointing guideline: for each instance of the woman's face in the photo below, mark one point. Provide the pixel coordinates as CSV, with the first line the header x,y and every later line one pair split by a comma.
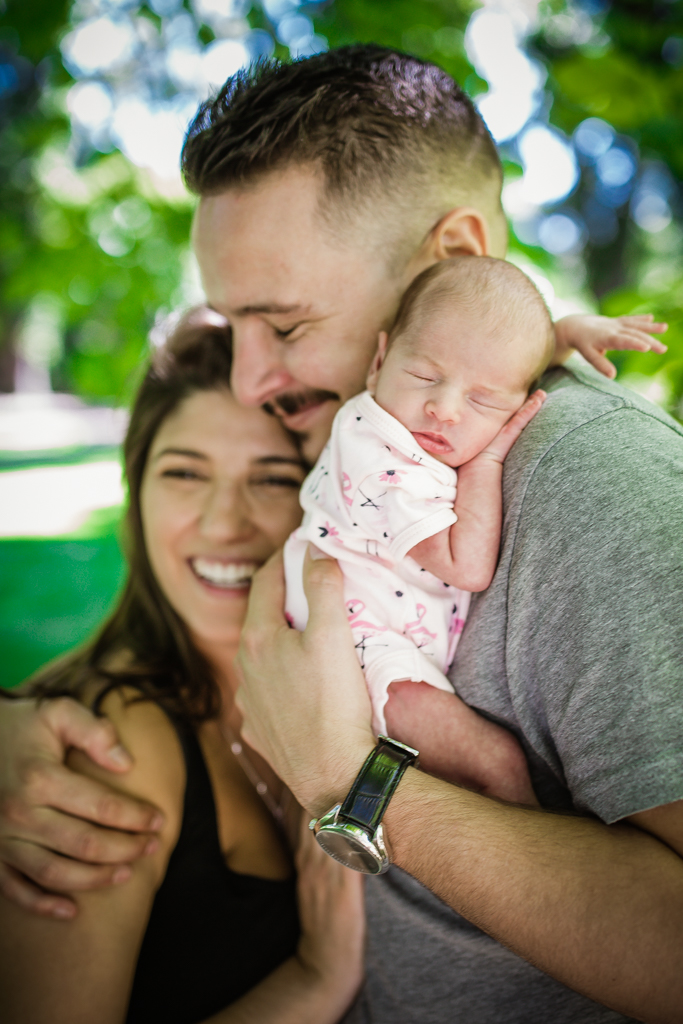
x,y
219,494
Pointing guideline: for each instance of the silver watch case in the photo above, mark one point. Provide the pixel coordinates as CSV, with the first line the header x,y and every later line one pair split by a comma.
x,y
350,844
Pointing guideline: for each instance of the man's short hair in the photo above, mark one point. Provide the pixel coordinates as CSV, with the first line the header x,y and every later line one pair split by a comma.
x,y
391,133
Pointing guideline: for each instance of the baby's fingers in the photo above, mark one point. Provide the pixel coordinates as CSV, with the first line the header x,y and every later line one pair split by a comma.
x,y
601,364
637,341
505,438
643,322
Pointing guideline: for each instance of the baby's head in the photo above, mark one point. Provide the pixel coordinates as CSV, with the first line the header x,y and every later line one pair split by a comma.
x,y
471,336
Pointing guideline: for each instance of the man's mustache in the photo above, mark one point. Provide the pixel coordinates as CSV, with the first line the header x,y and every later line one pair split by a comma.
x,y
290,403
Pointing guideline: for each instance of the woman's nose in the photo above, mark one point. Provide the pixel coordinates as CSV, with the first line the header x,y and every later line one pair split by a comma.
x,y
225,516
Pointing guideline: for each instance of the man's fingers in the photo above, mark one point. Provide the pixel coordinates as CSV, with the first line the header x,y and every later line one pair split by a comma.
x,y
61,874
324,589
75,726
267,595
57,786
18,890
84,841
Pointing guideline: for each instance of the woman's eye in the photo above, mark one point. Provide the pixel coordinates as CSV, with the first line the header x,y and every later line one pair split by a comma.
x,y
181,474
279,481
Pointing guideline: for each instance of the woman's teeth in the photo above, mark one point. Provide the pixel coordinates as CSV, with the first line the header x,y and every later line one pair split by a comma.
x,y
224,574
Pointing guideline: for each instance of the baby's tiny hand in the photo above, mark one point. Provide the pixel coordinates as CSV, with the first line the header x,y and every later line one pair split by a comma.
x,y
500,447
592,336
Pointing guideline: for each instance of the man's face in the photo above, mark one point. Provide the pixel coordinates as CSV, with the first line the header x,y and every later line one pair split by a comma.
x,y
305,311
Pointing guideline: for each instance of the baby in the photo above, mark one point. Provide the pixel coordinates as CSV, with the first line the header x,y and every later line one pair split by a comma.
x,y
448,389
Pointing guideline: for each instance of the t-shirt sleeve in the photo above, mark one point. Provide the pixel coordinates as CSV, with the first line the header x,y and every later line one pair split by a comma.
x,y
402,504
594,643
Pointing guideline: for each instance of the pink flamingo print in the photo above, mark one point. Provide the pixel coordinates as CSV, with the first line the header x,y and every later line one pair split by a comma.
x,y
392,476
355,608
416,629
346,486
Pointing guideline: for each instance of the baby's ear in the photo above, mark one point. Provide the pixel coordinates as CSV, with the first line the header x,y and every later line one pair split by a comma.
x,y
376,364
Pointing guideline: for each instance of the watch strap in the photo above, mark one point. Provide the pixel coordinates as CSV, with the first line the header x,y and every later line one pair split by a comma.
x,y
376,783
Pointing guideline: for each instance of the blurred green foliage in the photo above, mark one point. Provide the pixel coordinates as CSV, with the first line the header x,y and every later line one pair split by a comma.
x,y
104,247
93,249
109,250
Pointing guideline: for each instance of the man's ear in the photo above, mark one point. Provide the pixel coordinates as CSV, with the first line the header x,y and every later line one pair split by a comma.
x,y
463,230
376,365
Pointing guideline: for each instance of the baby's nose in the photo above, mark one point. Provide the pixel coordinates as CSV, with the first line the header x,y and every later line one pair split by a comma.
x,y
443,411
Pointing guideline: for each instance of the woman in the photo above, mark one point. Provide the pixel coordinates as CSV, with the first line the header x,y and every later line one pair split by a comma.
x,y
206,925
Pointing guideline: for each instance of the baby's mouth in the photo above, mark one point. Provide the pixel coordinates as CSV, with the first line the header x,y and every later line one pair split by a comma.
x,y
224,575
435,443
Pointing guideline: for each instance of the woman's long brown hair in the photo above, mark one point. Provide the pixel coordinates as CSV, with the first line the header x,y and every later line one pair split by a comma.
x,y
144,642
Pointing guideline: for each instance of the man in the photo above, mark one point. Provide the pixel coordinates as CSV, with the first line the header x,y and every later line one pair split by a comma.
x,y
325,187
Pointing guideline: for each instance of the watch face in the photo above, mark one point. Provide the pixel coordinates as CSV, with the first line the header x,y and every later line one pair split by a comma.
x,y
353,851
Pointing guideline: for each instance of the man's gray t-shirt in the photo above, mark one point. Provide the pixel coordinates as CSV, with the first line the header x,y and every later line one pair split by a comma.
x,y
576,647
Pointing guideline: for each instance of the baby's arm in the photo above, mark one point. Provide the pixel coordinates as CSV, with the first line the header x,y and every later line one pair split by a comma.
x,y
592,336
466,554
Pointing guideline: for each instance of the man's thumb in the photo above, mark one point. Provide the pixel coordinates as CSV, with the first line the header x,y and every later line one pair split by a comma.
x,y
324,589
75,726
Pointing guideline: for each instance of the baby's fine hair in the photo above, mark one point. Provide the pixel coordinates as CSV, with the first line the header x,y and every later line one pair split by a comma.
x,y
493,290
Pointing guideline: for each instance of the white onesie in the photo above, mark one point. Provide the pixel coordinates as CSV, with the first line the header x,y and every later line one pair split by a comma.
x,y
372,496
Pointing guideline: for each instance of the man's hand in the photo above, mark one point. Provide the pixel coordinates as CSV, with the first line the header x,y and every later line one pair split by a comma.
x,y
47,810
303,697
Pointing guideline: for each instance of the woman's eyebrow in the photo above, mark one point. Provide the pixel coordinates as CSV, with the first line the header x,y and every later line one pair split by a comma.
x,y
187,452
286,460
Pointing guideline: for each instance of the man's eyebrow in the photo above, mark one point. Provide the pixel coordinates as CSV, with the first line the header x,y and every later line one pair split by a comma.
x,y
274,308
187,452
280,460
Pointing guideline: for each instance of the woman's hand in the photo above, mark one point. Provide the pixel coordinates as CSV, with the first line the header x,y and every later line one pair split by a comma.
x,y
592,336
318,984
46,810
332,913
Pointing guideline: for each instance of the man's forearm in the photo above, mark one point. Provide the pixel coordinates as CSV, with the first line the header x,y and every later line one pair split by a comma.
x,y
599,908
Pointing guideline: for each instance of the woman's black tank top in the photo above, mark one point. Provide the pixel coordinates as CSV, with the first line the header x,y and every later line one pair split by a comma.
x,y
212,934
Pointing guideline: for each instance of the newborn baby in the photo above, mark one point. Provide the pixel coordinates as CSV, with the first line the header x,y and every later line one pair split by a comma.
x,y
448,388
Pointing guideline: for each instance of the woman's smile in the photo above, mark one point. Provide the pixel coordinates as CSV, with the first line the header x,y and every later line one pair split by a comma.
x,y
223,574
220,494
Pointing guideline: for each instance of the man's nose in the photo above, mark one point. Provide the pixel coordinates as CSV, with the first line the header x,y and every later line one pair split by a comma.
x,y
258,369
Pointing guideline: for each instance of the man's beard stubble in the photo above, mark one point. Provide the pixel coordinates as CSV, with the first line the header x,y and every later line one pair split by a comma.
x,y
310,443
290,403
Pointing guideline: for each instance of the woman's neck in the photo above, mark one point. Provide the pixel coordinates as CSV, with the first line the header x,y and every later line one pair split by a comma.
x,y
222,660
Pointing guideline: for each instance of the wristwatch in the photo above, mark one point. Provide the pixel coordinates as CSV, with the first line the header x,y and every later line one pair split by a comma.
x,y
351,832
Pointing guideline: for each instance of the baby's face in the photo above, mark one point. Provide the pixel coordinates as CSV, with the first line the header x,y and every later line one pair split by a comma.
x,y
452,383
